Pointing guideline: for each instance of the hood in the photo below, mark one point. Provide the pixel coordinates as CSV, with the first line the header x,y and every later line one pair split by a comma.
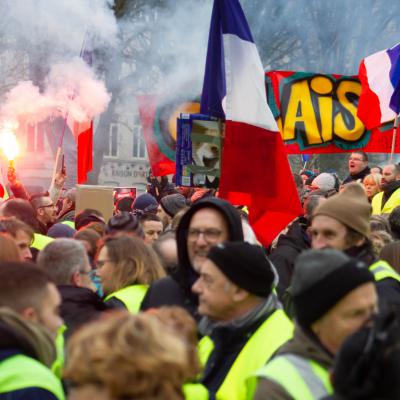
x,y
185,275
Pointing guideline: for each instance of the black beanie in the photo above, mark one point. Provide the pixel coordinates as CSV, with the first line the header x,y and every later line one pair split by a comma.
x,y
321,279
245,265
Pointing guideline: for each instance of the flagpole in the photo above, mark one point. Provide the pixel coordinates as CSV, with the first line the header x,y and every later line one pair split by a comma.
x,y
394,136
59,149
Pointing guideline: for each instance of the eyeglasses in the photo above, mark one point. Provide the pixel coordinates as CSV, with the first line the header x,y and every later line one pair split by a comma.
x,y
48,205
100,263
91,274
210,235
356,159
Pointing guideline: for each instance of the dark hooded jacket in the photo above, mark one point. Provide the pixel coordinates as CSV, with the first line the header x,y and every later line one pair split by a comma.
x,y
79,305
358,177
176,289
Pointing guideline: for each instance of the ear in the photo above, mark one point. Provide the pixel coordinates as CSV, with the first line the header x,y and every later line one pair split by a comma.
x,y
29,313
239,294
76,279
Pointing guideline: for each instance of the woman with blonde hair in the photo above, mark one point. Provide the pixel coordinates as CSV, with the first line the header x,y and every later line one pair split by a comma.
x,y
126,357
126,267
372,185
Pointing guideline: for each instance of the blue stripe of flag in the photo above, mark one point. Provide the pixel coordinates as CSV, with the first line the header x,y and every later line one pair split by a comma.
x,y
394,74
227,18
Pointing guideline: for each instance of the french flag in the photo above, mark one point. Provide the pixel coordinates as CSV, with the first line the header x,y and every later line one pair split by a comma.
x,y
254,169
379,74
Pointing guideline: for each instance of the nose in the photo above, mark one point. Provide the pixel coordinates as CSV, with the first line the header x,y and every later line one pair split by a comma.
x,y
201,241
27,254
318,242
196,287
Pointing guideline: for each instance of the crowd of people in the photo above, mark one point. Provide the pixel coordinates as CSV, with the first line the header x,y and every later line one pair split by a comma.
x,y
175,298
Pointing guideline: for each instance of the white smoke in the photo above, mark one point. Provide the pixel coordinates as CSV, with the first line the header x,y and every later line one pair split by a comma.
x,y
62,25
53,34
70,88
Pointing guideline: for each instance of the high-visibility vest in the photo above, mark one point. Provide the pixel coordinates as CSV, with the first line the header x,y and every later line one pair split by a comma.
x,y
195,391
275,330
131,296
40,241
69,223
392,202
303,379
59,362
382,270
21,372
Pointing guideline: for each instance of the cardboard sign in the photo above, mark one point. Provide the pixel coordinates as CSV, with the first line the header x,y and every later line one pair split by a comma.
x,y
100,198
198,151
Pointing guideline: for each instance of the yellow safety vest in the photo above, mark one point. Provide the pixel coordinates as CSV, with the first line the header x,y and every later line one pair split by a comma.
x,y
303,379
276,330
131,296
382,270
21,372
69,223
59,362
195,391
40,241
393,202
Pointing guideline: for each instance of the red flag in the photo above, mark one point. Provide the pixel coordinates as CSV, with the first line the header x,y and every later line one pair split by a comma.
x,y
160,164
83,134
254,169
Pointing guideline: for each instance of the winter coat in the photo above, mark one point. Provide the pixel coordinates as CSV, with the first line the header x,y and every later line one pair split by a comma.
x,y
304,344
388,289
78,306
176,289
288,248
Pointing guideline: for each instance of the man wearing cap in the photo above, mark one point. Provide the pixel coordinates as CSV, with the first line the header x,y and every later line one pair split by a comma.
x,y
207,223
334,295
342,223
386,201
240,314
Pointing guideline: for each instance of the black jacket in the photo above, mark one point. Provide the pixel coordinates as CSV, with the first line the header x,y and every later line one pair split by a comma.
x,y
176,289
79,305
288,248
361,175
388,289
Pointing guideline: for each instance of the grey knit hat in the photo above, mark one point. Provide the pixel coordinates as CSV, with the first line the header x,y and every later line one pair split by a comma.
x,y
172,203
321,279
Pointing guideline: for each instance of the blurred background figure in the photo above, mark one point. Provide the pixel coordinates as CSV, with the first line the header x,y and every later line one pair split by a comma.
x,y
372,185
127,357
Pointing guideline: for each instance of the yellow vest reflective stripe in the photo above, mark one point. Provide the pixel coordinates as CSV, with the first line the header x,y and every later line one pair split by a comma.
x,y
40,241
69,223
131,296
276,330
393,202
58,364
195,391
302,379
382,270
21,372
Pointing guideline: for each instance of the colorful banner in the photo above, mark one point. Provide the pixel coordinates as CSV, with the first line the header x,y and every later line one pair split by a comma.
x,y
159,128
318,114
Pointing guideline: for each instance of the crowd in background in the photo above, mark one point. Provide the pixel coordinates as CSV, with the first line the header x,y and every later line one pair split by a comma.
x,y
174,297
